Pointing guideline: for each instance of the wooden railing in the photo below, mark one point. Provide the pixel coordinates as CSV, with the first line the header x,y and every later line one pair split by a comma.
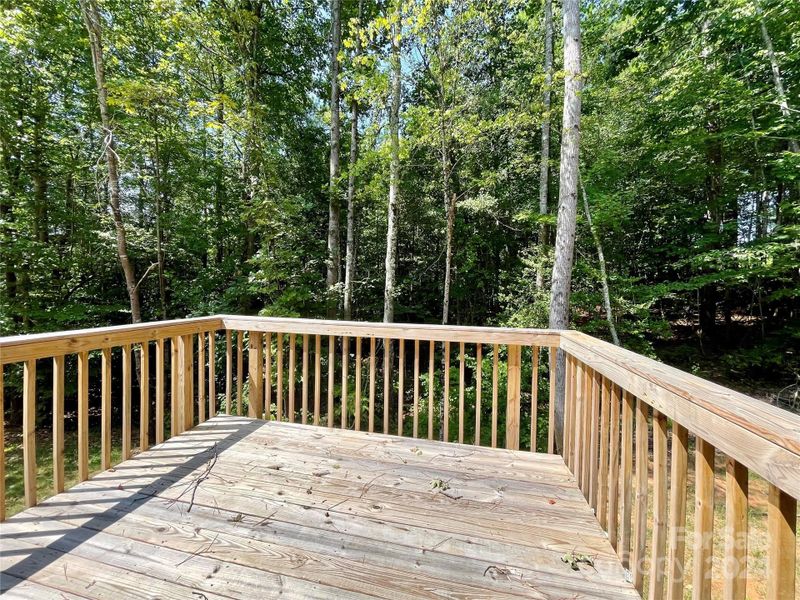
x,y
631,424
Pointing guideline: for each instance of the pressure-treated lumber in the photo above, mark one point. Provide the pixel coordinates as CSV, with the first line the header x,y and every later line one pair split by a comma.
x,y
255,363
29,431
736,488
58,424
703,520
677,512
782,545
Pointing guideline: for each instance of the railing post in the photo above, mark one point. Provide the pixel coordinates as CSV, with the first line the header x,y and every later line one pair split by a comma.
x,y
255,362
29,431
512,396
782,532
187,380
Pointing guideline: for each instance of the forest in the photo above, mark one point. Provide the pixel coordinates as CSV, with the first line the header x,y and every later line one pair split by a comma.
x,y
401,160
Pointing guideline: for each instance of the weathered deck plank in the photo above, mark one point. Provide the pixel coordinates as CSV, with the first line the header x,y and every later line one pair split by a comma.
x,y
310,512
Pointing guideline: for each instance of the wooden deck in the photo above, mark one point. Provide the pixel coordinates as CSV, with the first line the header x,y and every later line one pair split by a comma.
x,y
251,509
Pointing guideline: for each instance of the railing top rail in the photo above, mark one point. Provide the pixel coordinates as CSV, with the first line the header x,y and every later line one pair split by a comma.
x,y
19,348
760,436
402,331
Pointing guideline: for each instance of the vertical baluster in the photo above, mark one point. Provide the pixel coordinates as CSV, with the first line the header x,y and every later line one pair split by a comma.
x,y
187,369
640,520
304,408
781,544
292,374
144,396
577,440
387,381
514,364
317,378
29,431
2,449
627,477
159,391
590,440
461,367
228,372
371,415
534,395
255,375
358,385
268,376
331,372
279,377
431,368
126,402
58,424
659,531
613,470
478,390
105,410
83,416
736,487
400,377
677,511
212,374
239,371
446,406
551,409
415,431
570,375
602,473
495,352
345,357
703,520
201,374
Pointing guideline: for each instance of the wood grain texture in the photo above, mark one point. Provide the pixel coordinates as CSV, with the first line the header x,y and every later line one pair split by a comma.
x,y
659,527
29,431
228,372
144,396
292,379
782,545
83,416
703,520
478,391
626,445
2,449
127,402
371,528
105,409
677,512
58,424
513,387
255,376
304,396
762,437
160,382
239,370
534,396
20,348
317,378
345,381
639,541
613,468
736,489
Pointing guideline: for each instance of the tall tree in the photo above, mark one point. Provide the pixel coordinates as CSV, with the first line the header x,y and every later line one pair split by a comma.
x,y
394,165
544,160
777,79
91,19
568,187
334,205
350,251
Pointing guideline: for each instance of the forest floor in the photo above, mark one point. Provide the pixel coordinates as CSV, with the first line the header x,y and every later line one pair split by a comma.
x,y
757,532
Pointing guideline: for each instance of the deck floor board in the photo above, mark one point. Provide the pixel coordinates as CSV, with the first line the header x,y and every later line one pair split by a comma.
x,y
238,508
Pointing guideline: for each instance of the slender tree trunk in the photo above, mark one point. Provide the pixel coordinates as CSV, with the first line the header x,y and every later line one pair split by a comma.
x,y
350,259
394,171
544,165
568,191
334,204
449,201
41,226
91,19
603,273
219,172
778,80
